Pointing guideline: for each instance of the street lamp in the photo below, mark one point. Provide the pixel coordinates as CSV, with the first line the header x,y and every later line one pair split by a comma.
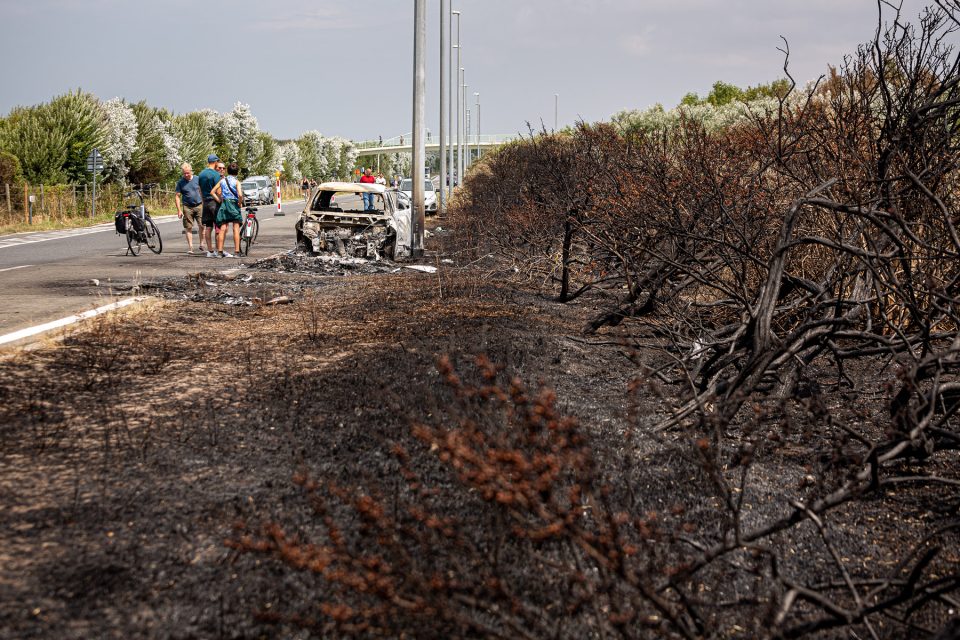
x,y
464,152
419,110
444,9
477,96
459,169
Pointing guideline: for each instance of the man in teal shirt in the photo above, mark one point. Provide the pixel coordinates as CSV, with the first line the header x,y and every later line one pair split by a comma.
x,y
208,179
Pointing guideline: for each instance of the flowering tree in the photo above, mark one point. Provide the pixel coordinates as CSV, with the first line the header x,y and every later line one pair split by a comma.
x,y
193,131
157,152
290,159
121,139
313,160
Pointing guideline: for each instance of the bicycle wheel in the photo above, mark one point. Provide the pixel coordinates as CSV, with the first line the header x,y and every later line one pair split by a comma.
x,y
256,230
247,235
133,239
154,242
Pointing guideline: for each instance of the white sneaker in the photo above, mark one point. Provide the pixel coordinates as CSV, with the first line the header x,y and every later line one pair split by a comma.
x,y
211,254
227,254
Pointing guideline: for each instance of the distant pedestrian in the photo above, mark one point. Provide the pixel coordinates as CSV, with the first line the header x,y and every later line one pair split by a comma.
x,y
189,205
305,187
229,194
381,179
367,178
207,180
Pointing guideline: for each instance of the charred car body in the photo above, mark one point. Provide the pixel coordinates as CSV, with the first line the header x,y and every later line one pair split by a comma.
x,y
338,218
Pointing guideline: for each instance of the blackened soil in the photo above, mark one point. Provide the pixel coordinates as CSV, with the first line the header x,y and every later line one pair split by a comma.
x,y
131,450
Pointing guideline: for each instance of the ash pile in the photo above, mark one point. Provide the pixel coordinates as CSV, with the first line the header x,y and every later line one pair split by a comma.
x,y
328,264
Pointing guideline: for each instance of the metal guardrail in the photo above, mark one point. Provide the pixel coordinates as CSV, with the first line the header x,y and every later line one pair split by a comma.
x,y
407,139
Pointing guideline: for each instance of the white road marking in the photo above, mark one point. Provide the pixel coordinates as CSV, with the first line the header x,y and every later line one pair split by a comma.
x,y
46,236
63,322
23,266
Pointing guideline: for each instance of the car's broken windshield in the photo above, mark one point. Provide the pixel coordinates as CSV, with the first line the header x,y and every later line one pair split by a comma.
x,y
345,202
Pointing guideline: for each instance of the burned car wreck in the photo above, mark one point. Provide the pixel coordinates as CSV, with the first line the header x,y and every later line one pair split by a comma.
x,y
354,220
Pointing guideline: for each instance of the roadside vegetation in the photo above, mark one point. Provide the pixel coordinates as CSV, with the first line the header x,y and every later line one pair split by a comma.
x,y
47,145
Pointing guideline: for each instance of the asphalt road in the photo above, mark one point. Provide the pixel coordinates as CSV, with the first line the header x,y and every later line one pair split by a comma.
x,y
50,275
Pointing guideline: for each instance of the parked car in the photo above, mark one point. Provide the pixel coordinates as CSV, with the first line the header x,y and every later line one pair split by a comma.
x,y
334,221
429,193
259,190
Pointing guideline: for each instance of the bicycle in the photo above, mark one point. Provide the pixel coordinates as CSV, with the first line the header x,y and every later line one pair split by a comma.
x,y
140,227
250,231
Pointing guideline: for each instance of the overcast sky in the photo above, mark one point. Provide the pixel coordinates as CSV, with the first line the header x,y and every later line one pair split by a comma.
x,y
345,67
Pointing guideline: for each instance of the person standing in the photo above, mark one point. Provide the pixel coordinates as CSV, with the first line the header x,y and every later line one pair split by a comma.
x,y
305,187
367,178
229,194
207,180
189,205
381,179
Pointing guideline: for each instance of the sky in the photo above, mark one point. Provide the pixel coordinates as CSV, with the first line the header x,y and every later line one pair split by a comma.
x,y
346,67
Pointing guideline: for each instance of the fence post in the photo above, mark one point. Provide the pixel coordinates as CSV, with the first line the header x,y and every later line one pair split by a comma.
x,y
26,202
43,205
7,187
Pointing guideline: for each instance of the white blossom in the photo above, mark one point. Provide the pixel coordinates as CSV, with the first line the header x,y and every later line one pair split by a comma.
x,y
171,145
290,159
121,138
239,127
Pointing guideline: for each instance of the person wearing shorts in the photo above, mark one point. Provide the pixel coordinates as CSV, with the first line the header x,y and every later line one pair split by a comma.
x,y
229,193
189,204
207,180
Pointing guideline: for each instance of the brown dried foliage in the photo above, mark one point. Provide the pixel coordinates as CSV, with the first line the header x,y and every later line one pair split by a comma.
x,y
797,276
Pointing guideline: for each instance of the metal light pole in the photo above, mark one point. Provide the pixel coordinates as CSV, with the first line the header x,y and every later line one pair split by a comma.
x,y
459,168
556,109
464,158
468,129
477,96
419,109
444,9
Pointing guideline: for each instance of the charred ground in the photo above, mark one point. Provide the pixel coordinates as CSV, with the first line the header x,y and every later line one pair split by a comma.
x,y
145,453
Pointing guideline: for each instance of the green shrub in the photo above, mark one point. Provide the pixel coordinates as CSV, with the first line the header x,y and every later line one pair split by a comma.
x,y
10,170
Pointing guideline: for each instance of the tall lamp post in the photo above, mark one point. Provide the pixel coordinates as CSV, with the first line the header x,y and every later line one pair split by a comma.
x,y
458,172
477,96
464,151
419,110
441,203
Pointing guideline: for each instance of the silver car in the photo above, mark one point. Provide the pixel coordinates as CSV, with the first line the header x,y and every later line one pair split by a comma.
x,y
259,190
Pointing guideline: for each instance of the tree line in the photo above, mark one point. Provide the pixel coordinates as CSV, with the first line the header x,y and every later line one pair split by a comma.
x,y
49,143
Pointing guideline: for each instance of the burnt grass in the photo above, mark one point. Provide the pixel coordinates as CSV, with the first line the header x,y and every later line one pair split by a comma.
x,y
134,448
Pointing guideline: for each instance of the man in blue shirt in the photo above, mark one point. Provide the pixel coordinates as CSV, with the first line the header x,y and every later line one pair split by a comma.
x,y
207,180
189,204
